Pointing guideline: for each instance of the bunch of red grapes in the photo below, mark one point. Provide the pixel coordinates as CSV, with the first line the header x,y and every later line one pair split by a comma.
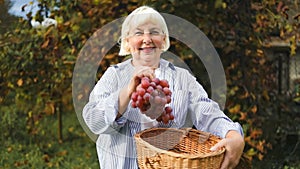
x,y
153,92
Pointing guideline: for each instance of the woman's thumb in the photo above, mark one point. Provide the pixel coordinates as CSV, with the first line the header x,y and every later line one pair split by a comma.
x,y
219,145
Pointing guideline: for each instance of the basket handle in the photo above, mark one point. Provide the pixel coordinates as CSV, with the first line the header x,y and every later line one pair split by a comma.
x,y
203,136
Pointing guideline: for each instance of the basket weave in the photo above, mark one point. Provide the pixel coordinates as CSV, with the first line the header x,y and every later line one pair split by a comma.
x,y
169,148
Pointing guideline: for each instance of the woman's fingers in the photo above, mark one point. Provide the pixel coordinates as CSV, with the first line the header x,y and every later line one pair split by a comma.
x,y
144,71
234,145
139,72
219,145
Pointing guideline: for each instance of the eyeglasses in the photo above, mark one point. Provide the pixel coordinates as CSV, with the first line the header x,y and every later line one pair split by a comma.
x,y
152,33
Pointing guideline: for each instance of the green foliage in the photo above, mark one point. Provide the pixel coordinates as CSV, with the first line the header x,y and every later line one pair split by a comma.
x,y
6,20
76,152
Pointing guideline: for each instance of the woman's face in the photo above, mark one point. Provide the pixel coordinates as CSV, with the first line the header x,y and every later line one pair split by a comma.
x,y
145,43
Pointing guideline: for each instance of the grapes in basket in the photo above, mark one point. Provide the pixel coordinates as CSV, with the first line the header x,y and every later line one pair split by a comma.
x,y
151,97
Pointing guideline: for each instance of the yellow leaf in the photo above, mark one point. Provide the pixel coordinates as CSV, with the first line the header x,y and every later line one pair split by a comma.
x,y
96,2
224,5
245,95
20,82
266,95
80,96
261,146
71,129
49,108
254,109
46,158
251,152
243,116
253,96
110,56
259,52
260,156
293,49
9,149
235,109
45,43
30,114
62,153
75,28
293,45
256,133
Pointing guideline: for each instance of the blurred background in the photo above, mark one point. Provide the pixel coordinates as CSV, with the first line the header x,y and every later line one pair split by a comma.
x,y
257,41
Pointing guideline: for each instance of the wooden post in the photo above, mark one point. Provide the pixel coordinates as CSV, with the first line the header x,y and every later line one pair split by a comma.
x,y
59,118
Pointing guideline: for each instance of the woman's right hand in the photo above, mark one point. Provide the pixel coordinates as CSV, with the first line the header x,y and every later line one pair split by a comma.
x,y
125,93
139,73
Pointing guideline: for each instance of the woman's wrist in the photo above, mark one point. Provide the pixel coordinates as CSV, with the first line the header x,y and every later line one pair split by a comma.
x,y
124,99
234,134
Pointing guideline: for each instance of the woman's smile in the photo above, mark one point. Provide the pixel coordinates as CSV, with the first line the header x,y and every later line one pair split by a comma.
x,y
147,50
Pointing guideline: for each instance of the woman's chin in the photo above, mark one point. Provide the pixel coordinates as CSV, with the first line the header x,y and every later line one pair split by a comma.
x,y
149,61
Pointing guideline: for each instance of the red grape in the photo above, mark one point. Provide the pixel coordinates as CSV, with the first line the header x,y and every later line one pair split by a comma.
x,y
139,98
164,83
145,79
156,80
153,91
133,104
147,97
141,91
139,103
150,89
145,83
168,109
165,118
166,90
134,96
158,87
153,84
159,119
171,116
168,99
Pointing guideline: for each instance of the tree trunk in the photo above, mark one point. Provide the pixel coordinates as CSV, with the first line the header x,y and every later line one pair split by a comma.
x,y
59,118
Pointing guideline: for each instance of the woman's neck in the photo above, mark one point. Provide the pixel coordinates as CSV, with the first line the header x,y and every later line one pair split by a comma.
x,y
137,63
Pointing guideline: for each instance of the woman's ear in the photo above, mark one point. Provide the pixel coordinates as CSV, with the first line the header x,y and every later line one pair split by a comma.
x,y
127,49
164,44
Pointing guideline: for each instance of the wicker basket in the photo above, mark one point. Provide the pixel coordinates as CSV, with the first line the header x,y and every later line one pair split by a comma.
x,y
169,148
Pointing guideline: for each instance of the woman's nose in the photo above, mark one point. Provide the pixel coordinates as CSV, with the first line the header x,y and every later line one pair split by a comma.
x,y
147,38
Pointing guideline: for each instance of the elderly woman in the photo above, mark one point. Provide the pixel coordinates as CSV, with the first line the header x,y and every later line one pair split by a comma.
x,y
109,112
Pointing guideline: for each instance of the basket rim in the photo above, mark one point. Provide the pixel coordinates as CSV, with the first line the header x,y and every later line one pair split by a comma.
x,y
174,154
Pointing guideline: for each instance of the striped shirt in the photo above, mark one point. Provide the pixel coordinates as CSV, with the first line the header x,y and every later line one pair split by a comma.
x,y
115,145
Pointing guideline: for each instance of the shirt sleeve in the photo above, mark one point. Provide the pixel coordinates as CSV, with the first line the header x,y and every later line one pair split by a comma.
x,y
206,113
102,108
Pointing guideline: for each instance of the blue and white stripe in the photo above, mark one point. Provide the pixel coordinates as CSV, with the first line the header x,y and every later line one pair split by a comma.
x,y
190,103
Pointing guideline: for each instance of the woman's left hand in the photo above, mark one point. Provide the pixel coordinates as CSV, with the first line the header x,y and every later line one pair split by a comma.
x,y
234,145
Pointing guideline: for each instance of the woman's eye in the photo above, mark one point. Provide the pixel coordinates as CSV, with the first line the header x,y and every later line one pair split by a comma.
x,y
138,33
154,33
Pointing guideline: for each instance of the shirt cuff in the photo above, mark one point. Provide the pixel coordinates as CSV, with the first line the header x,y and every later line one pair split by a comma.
x,y
226,125
111,111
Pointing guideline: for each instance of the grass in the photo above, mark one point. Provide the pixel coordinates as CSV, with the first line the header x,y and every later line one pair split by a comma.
x,y
43,151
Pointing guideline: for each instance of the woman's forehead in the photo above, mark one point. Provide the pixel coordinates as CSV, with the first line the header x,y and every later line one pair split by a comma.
x,y
147,25
142,19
